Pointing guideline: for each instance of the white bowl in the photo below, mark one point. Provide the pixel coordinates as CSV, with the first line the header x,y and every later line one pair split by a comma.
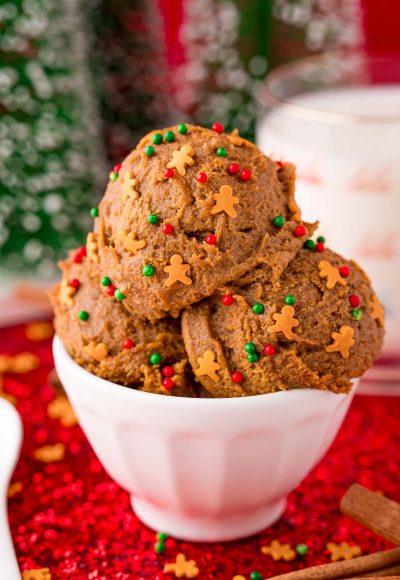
x,y
203,469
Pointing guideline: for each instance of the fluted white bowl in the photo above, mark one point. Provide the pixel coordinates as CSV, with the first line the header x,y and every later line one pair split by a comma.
x,y
203,469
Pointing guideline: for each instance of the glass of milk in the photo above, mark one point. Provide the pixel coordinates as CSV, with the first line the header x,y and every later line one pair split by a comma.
x,y
337,117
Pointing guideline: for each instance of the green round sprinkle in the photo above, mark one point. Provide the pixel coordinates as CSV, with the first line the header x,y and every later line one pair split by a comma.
x,y
162,536
106,281
321,239
309,244
155,358
149,150
152,219
157,138
222,152
252,357
118,295
94,212
290,299
250,347
255,575
159,548
83,315
302,549
357,314
113,176
257,308
279,221
148,270
169,136
182,129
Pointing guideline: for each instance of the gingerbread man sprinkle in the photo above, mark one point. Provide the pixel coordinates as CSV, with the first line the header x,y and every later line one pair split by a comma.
x,y
285,322
130,243
38,331
235,138
67,293
279,551
378,312
14,489
208,366
92,247
332,275
182,568
60,408
39,574
342,341
225,201
177,271
97,351
343,551
182,158
129,183
50,453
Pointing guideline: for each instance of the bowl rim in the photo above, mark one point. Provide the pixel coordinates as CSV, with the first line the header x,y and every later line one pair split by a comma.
x,y
61,356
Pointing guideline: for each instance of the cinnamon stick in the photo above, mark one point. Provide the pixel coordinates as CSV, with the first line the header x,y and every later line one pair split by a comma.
x,y
347,568
375,512
384,572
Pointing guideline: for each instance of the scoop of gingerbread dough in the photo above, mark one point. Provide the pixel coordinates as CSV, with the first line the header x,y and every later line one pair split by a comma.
x,y
192,213
111,342
318,326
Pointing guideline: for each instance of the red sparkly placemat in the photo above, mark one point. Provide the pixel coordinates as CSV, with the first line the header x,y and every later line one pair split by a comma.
x,y
66,514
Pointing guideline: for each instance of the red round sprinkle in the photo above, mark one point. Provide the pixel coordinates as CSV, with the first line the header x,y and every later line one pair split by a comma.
x,y
218,127
74,283
167,229
128,343
227,300
245,175
168,383
233,168
319,247
211,239
299,231
279,164
80,254
202,177
269,349
169,172
167,371
237,377
354,300
344,271
110,290
117,167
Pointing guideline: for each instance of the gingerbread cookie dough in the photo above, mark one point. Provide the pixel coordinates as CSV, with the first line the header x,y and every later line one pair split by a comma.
x,y
107,340
318,326
189,210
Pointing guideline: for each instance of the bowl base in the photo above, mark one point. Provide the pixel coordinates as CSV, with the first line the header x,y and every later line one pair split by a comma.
x,y
192,529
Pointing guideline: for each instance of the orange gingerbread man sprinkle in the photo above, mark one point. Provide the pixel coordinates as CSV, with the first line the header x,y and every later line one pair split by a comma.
x,y
177,271
129,183
38,331
130,243
97,351
332,275
182,158
50,453
92,247
182,568
235,138
60,408
14,488
285,322
208,366
279,551
378,312
39,574
66,293
343,551
342,341
225,201
19,363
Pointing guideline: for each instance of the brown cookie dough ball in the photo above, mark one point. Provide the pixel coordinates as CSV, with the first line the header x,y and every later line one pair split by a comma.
x,y
103,337
189,210
318,326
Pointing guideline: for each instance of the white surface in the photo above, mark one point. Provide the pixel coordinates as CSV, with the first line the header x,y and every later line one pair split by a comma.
x,y
349,179
10,443
203,469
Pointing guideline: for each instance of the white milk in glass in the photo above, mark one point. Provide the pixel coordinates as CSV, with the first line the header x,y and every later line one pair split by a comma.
x,y
349,179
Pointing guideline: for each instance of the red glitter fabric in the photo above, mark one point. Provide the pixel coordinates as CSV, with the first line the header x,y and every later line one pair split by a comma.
x,y
70,517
